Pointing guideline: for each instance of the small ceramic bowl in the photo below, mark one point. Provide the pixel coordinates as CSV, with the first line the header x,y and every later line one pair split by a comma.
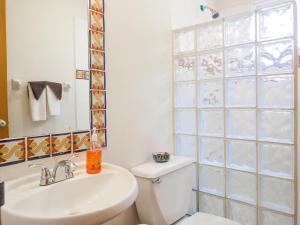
x,y
161,157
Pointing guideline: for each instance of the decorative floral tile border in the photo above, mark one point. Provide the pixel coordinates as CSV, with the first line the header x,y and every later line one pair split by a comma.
x,y
97,65
97,40
98,99
102,137
81,74
99,119
97,80
81,141
97,60
13,151
97,21
38,147
61,144
26,149
97,5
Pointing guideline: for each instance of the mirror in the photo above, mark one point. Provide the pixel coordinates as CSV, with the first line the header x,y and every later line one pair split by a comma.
x,y
49,43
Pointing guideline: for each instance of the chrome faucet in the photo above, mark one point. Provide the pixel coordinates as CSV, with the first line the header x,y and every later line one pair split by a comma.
x,y
63,170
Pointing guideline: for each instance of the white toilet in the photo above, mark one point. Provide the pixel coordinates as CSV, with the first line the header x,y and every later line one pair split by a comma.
x,y
164,194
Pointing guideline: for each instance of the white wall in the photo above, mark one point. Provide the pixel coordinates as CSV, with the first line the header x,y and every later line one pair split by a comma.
x,y
235,10
138,65
187,12
40,44
221,4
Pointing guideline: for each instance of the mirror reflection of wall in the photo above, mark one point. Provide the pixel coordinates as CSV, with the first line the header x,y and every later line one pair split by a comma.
x,y
48,43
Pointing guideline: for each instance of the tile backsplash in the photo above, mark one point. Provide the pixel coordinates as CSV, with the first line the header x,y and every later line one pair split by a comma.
x,y
97,60
98,99
61,144
81,141
98,80
97,5
82,74
99,119
14,151
97,21
38,147
97,40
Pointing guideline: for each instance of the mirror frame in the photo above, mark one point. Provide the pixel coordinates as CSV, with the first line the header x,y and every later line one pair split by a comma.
x,y
18,150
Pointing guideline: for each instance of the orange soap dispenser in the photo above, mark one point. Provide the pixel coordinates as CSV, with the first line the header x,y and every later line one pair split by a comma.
x,y
94,156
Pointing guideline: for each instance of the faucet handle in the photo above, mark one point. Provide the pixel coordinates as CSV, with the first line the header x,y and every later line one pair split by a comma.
x,y
73,156
74,166
38,165
46,177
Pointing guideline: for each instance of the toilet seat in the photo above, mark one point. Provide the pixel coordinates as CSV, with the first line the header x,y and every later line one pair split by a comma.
x,y
207,219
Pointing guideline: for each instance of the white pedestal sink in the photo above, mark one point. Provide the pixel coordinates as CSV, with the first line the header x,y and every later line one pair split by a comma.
x,y
82,200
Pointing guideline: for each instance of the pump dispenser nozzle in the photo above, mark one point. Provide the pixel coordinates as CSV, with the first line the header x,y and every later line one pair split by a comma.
x,y
94,139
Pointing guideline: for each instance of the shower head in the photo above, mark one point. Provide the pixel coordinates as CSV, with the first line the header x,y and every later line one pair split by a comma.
x,y
214,13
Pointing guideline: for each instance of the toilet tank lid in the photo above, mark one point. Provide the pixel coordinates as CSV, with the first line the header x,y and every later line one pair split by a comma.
x,y
152,169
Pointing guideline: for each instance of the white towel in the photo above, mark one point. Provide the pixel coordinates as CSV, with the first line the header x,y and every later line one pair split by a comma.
x,y
38,108
54,104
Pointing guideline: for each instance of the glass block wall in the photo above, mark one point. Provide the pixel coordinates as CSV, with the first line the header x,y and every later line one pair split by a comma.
x,y
234,114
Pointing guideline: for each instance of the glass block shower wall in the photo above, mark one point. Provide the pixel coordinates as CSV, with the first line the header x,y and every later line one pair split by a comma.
x,y
234,114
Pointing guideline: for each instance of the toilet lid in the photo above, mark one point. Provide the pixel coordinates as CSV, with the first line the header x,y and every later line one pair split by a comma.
x,y
207,219
152,169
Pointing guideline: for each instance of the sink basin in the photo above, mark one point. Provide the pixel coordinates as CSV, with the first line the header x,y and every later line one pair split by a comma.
x,y
82,200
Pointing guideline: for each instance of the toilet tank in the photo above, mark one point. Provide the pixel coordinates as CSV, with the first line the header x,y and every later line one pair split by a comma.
x,y
164,190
